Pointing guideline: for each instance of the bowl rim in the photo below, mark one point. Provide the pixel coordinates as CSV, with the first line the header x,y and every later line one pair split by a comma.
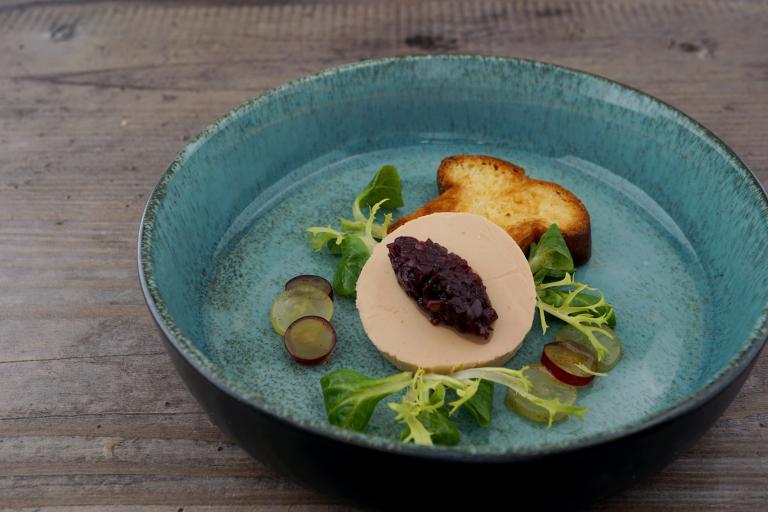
x,y
739,362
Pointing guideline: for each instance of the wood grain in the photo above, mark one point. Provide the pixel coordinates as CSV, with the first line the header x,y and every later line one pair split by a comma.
x,y
96,99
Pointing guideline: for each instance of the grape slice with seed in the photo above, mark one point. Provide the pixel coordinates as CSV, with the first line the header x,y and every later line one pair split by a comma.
x,y
310,340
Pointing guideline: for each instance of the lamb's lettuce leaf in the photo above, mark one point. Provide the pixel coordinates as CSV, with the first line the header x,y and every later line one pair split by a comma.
x,y
480,406
550,257
385,185
350,397
354,254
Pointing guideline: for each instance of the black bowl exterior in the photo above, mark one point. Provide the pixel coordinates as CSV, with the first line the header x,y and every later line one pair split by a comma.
x,y
387,480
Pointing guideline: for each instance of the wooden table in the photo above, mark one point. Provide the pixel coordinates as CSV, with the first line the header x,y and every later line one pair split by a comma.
x,y
95,100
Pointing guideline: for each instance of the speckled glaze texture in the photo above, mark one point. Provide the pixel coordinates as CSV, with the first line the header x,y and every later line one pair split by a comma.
x,y
680,234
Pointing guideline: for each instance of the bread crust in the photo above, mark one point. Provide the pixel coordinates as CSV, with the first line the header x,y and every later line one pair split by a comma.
x,y
509,202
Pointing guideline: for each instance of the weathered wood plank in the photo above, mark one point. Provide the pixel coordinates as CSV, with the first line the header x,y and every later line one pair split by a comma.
x,y
107,489
291,507
97,98
112,384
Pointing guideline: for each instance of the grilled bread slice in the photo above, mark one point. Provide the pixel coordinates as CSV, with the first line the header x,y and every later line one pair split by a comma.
x,y
500,191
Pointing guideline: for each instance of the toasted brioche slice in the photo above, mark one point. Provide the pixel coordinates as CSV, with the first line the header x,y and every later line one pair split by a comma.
x,y
500,191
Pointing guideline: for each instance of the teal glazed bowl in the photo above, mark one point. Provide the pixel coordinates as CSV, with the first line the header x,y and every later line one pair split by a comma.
x,y
679,232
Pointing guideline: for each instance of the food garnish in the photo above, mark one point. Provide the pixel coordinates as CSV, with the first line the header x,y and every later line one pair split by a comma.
x,y
360,234
545,386
442,284
612,343
560,296
318,282
310,340
302,314
570,362
297,302
430,399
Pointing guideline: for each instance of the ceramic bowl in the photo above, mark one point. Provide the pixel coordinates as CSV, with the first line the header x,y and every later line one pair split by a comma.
x,y
680,236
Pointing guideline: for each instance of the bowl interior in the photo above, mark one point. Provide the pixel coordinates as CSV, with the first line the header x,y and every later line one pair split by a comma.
x,y
678,227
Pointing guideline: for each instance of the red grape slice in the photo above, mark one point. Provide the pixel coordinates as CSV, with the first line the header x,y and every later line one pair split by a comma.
x,y
318,282
310,340
570,362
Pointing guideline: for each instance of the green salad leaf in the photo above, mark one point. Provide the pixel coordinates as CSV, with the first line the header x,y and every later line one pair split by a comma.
x,y
438,425
423,412
586,319
385,185
559,295
556,297
357,237
326,237
354,254
480,405
350,397
550,257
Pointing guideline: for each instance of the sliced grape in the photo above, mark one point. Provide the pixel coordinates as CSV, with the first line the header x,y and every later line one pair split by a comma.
x,y
543,385
612,344
570,362
310,340
313,281
297,302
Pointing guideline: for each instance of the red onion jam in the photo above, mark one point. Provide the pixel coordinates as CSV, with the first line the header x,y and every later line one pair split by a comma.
x,y
442,284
